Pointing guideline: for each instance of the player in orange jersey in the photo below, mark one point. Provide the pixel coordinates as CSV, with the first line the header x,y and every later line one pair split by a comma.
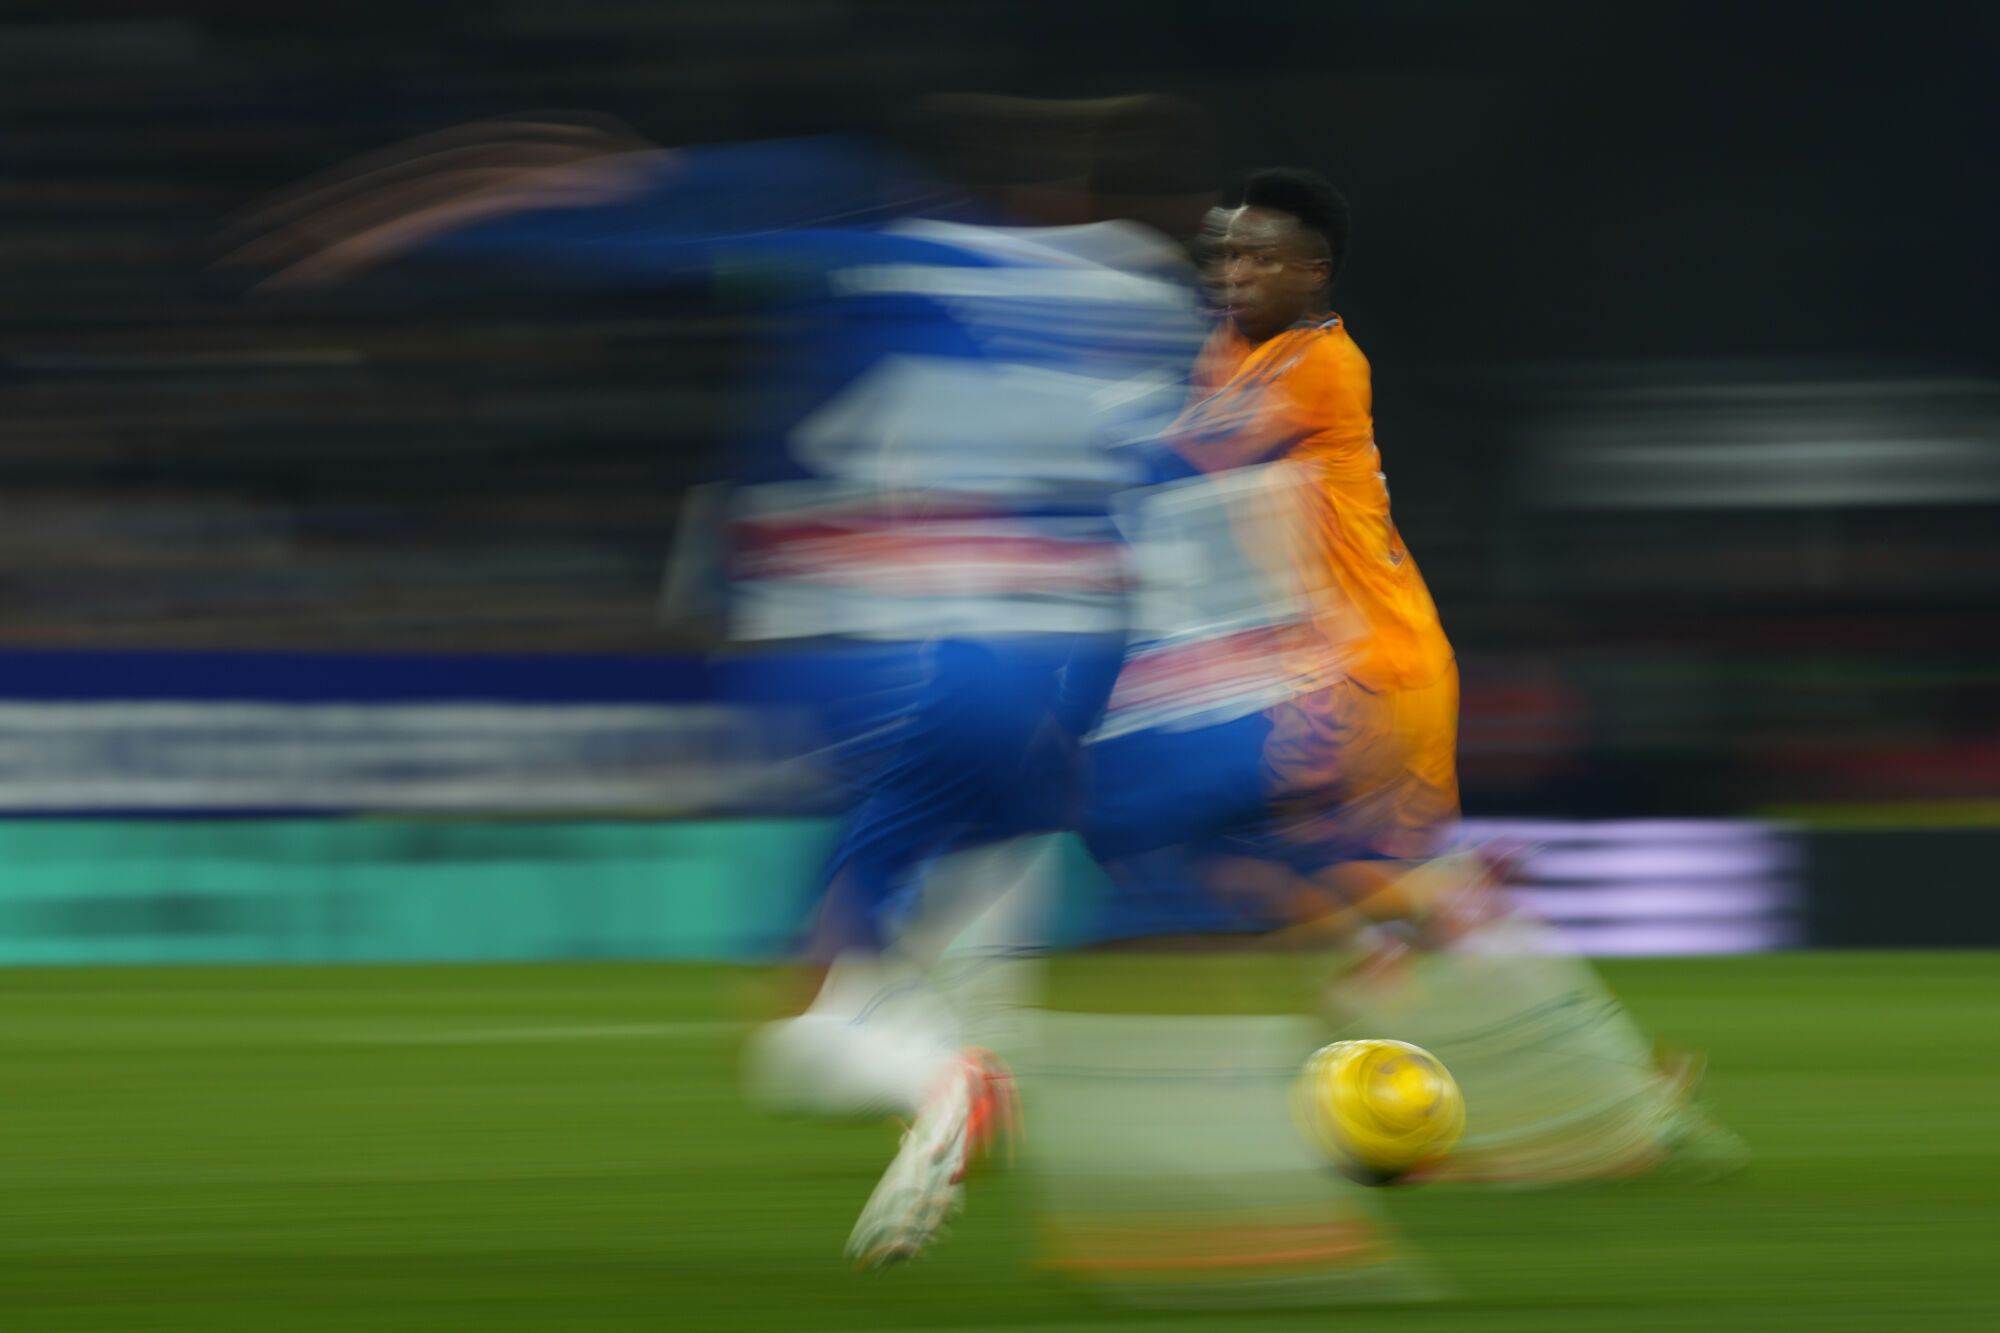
x,y
1291,694
1286,721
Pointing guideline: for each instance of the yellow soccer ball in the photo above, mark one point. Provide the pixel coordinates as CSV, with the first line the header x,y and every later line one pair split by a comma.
x,y
1379,1109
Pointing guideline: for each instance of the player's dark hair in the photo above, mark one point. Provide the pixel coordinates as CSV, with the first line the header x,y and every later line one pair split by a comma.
x,y
1309,197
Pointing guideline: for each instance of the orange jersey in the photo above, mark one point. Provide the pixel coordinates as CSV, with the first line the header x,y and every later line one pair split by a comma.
x,y
1304,397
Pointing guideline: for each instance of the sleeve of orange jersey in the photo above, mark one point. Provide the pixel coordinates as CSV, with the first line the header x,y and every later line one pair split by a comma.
x,y
1303,393
1230,420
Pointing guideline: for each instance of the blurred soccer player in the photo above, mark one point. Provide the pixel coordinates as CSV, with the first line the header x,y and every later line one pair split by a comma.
x,y
1296,696
1287,719
924,505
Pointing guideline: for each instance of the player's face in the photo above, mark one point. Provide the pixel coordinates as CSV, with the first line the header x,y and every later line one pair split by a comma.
x,y
1272,276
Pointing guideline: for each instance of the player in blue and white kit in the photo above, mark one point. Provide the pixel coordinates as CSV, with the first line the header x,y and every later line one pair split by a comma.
x,y
925,500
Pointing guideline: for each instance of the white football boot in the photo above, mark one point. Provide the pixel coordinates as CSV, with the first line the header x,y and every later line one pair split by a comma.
x,y
972,1106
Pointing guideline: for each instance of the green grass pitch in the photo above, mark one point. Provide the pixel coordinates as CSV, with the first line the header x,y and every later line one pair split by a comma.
x,y
560,1147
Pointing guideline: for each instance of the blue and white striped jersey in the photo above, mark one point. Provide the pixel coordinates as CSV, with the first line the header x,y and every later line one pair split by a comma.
x,y
953,407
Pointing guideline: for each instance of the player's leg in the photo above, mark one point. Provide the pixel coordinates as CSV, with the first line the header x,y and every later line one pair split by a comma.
x,y
891,1032
1169,1168
1160,788
873,1039
911,742
1565,1078
1567,1083
974,761
977,917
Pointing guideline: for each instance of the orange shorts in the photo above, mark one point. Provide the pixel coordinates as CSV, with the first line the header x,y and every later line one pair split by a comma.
x,y
1367,769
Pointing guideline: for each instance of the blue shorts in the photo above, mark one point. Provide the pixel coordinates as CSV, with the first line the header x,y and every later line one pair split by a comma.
x,y
1146,790
1211,790
941,746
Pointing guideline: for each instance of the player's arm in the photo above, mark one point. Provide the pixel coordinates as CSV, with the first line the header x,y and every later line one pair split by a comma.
x,y
1260,415
366,212
594,205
